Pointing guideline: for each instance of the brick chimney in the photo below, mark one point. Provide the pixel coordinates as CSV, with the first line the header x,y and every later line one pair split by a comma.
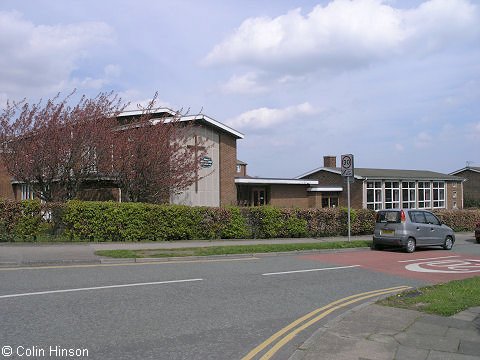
x,y
330,161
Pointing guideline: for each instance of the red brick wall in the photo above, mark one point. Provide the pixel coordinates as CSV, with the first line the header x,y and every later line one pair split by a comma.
x,y
326,178
451,188
228,169
6,189
289,196
471,187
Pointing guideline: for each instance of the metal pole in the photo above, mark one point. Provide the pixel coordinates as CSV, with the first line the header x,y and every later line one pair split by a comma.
x,y
348,195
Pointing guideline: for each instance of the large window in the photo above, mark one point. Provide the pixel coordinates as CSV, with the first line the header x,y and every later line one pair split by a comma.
x,y
438,194
392,195
27,192
374,195
424,195
408,195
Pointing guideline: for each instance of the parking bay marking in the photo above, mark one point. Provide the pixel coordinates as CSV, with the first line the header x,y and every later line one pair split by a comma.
x,y
290,331
310,270
98,288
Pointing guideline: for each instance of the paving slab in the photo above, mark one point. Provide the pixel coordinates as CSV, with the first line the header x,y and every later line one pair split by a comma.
x,y
371,331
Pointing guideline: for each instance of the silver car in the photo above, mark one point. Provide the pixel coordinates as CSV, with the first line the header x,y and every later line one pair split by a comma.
x,y
410,228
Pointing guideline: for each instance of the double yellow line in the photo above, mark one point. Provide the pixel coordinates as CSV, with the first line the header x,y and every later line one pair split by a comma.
x,y
282,337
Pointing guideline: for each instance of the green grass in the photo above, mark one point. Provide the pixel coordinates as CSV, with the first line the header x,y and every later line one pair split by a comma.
x,y
231,250
443,299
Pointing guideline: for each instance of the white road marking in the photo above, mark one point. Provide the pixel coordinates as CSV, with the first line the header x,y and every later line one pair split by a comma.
x,y
98,288
453,266
310,270
435,258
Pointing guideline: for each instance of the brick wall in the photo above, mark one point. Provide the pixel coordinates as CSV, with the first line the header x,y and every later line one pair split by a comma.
x,y
326,178
471,187
228,170
289,196
454,194
6,189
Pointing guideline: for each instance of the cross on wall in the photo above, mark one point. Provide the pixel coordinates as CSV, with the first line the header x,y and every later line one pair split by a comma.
x,y
196,148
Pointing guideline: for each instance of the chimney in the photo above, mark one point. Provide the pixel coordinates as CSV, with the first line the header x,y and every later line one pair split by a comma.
x,y
330,161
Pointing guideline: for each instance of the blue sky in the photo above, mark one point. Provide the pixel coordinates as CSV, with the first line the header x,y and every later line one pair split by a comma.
x,y
396,83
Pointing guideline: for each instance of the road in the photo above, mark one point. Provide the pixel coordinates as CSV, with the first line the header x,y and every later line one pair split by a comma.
x,y
203,309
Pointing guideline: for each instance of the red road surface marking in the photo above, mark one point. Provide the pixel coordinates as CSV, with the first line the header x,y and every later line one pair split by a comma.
x,y
452,267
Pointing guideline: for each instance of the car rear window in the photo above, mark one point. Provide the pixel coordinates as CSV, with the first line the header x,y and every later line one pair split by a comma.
x,y
388,217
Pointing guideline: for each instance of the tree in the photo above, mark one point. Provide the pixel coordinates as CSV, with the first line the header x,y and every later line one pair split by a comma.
x,y
153,157
55,147
58,149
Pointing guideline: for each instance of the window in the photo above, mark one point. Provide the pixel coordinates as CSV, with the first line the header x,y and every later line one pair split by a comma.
x,y
408,195
417,217
374,195
27,192
239,168
392,195
438,194
424,195
431,219
329,201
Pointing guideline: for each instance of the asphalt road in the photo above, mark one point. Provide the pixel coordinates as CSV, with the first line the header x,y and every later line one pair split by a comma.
x,y
207,309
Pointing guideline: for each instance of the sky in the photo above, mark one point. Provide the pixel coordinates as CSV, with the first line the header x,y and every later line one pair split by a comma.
x,y
396,83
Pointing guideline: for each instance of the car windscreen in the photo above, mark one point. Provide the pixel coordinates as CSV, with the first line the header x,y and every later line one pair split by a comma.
x,y
388,217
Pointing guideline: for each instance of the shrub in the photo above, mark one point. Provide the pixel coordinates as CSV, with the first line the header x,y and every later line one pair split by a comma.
x,y
109,221
460,220
10,213
29,223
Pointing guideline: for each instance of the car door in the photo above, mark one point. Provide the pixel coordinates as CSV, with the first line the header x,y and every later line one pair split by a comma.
x,y
436,234
419,228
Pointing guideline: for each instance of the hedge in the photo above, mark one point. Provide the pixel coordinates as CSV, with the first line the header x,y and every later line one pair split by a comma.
x,y
109,221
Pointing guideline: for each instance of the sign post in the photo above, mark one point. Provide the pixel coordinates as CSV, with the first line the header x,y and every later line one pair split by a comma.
x,y
348,174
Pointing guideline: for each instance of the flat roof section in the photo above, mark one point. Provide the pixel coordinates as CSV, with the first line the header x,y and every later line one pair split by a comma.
x,y
273,181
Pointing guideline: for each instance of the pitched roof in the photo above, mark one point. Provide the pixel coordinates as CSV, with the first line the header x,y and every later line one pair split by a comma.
x,y
165,114
471,168
393,174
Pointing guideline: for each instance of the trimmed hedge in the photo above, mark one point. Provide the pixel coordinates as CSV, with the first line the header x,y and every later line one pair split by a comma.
x,y
109,221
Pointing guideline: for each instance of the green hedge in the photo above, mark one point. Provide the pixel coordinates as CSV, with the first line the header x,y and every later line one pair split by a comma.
x,y
109,221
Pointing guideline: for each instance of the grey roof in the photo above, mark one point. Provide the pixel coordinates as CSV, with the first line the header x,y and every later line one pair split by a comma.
x,y
393,174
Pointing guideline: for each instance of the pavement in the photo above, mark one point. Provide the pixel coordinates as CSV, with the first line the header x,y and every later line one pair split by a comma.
x,y
28,254
366,332
375,332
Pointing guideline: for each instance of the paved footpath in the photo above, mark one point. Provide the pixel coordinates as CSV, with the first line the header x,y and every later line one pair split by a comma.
x,y
36,254
375,332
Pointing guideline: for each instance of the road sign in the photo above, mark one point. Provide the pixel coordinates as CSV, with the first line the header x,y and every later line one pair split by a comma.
x,y
347,165
347,173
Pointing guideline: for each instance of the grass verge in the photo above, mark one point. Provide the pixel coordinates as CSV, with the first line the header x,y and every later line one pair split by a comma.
x,y
231,250
442,299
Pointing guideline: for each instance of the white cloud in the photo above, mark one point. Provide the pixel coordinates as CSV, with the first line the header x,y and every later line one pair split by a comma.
x,y
263,118
346,34
244,84
43,58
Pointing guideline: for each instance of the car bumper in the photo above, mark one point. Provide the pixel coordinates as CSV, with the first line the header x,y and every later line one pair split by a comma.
x,y
390,240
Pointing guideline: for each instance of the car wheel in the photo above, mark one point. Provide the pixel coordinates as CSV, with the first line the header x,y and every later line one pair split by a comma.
x,y
410,245
478,240
448,244
376,247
